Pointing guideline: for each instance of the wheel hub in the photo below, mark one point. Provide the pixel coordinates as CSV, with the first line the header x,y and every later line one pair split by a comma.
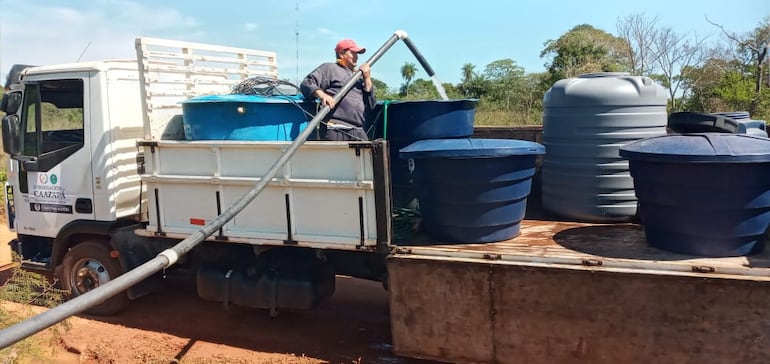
x,y
89,275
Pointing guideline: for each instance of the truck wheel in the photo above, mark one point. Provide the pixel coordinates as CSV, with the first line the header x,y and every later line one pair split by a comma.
x,y
87,266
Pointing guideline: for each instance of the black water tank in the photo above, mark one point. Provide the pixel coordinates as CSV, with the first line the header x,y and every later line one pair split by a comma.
x,y
704,194
473,190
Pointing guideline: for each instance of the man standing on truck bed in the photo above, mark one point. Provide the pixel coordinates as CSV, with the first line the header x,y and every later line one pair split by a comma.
x,y
346,119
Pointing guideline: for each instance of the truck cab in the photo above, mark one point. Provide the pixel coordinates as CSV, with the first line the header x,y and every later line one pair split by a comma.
x,y
73,155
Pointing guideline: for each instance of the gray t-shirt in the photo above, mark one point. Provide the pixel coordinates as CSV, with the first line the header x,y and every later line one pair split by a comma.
x,y
331,77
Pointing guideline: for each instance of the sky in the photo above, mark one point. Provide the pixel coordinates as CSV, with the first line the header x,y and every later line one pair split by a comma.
x,y
303,33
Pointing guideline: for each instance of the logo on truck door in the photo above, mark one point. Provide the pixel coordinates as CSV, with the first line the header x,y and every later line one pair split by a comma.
x,y
47,194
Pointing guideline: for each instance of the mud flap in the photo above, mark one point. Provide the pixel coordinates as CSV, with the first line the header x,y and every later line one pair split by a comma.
x,y
134,251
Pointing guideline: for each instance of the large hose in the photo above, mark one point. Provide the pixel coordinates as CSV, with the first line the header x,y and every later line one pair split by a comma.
x,y
168,257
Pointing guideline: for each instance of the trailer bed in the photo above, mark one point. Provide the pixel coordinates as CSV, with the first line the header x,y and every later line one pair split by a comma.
x,y
576,292
575,245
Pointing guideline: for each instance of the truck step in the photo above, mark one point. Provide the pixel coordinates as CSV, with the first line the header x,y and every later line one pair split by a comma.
x,y
34,266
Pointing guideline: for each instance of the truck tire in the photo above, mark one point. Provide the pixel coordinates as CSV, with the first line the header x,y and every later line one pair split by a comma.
x,y
87,266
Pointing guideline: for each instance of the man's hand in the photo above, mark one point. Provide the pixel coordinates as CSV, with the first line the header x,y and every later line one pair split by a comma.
x,y
367,73
325,98
366,70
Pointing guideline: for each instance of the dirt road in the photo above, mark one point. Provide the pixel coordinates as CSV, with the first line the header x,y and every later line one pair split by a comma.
x,y
176,326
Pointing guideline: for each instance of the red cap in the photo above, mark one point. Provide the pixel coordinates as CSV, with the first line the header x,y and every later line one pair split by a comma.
x,y
346,44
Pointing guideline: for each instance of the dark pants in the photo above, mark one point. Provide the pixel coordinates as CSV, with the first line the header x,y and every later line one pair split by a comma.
x,y
354,134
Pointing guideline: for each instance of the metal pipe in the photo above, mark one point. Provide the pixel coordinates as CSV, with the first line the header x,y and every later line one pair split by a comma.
x,y
424,64
169,257
419,57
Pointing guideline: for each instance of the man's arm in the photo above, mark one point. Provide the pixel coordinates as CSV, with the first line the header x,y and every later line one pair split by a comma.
x,y
314,84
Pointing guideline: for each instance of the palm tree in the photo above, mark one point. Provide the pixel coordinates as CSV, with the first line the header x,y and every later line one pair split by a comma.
x,y
467,72
468,78
407,72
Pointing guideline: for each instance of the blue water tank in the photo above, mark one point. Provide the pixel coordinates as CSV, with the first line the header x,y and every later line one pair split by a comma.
x,y
753,127
585,120
737,122
745,124
243,117
696,122
705,194
472,190
405,122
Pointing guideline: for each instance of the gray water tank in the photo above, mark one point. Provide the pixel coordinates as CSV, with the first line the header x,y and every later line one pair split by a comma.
x,y
585,121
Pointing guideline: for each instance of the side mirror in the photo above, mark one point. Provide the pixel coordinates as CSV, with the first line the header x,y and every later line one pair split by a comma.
x,y
10,102
10,130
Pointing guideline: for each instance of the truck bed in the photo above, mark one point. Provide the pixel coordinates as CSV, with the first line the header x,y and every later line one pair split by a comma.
x,y
575,245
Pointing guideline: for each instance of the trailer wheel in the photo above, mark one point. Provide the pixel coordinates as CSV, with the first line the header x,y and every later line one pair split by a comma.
x,y
87,266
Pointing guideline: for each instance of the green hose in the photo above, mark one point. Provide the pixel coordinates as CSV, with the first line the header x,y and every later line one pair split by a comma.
x,y
385,119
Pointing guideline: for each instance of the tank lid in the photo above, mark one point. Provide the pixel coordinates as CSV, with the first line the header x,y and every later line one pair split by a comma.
x,y
699,148
603,74
243,98
469,148
737,115
696,122
469,101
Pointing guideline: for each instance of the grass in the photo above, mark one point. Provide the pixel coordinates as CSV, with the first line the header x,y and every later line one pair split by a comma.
x,y
29,289
503,118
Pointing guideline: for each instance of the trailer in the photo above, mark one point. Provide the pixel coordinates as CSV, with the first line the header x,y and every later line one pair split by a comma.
x,y
102,181
576,292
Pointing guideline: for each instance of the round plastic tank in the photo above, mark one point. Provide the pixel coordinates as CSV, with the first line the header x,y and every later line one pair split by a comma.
x,y
472,190
745,124
735,122
585,120
753,127
696,122
704,194
243,117
405,122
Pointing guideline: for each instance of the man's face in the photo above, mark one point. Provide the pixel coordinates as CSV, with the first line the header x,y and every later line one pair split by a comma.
x,y
350,58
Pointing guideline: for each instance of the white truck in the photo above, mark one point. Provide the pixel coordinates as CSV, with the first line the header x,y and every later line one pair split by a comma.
x,y
101,180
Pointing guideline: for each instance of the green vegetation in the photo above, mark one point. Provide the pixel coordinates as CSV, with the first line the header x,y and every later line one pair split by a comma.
x,y
27,289
699,74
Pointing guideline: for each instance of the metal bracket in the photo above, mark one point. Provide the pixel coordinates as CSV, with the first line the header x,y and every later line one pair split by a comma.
x,y
703,269
289,238
148,143
592,262
360,145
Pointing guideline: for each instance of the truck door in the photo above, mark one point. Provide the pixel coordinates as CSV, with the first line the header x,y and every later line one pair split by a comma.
x,y
53,174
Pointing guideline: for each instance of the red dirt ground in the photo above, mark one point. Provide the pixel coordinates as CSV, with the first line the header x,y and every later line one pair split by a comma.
x,y
175,326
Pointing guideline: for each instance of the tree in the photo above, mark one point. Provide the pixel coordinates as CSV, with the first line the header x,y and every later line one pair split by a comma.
x,y
452,91
675,56
505,77
751,49
531,93
702,81
422,89
468,72
381,90
583,49
639,34
472,85
408,71
476,87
